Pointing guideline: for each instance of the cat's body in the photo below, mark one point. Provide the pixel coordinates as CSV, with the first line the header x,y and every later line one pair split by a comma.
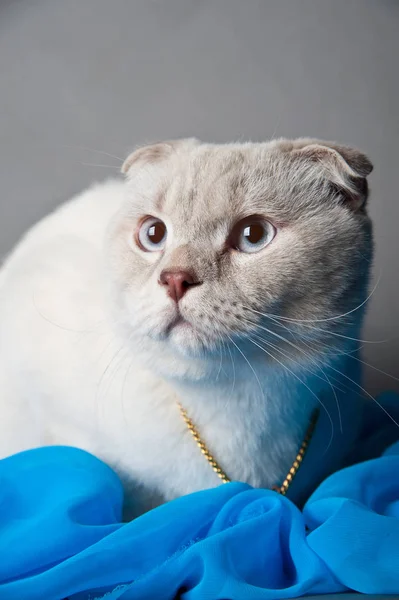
x,y
90,359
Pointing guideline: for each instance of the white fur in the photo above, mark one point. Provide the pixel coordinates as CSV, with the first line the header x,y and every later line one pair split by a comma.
x,y
66,377
92,353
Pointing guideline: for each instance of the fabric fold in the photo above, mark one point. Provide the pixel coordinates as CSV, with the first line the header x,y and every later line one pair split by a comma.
x,y
62,536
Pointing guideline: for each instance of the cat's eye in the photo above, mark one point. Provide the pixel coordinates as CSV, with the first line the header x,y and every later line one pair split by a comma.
x,y
252,234
151,235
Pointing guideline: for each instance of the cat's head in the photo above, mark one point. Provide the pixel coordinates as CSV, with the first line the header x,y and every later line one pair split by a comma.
x,y
266,245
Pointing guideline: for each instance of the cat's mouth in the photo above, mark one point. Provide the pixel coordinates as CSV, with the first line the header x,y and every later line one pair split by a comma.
x,y
185,335
179,322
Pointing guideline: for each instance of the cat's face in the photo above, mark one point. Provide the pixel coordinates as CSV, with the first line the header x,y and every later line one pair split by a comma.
x,y
242,244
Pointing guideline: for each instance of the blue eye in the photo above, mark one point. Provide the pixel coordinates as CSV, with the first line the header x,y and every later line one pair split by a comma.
x,y
252,234
151,235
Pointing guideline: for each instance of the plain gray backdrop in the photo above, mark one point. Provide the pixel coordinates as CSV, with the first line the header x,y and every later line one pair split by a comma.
x,y
81,77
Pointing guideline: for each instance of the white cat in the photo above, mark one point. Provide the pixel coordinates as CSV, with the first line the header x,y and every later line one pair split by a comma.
x,y
214,276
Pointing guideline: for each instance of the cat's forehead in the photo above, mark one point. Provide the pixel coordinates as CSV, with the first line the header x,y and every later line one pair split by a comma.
x,y
215,183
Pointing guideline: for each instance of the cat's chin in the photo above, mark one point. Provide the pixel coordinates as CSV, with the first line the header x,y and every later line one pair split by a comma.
x,y
180,335
188,341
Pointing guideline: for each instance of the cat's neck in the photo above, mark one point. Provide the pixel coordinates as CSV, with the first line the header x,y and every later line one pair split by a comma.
x,y
234,386
267,390
234,380
264,411
252,413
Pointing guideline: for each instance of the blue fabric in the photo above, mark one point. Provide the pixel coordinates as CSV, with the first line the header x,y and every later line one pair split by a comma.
x,y
61,535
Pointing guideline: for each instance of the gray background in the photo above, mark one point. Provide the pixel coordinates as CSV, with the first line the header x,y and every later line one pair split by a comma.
x,y
106,75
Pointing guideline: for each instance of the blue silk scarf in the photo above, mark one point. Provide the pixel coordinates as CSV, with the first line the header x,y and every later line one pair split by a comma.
x,y
61,534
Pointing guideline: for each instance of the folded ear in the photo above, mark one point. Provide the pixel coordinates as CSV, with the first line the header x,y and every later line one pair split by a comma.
x,y
346,168
155,153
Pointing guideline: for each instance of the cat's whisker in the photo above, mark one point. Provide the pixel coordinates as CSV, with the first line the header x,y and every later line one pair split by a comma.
x,y
274,333
58,325
318,366
334,318
341,383
98,165
82,334
276,127
367,394
115,356
314,350
225,347
112,374
93,329
282,326
343,386
319,329
118,365
325,347
86,149
375,368
107,368
304,384
123,390
250,366
349,354
220,363
330,350
234,374
345,337
298,348
300,364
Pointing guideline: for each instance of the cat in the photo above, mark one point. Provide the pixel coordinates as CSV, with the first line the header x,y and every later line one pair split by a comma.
x,y
229,278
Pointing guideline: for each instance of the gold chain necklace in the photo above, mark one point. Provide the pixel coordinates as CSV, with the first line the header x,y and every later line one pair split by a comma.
x,y
281,489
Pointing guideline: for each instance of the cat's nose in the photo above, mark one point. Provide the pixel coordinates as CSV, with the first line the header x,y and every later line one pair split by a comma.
x,y
178,282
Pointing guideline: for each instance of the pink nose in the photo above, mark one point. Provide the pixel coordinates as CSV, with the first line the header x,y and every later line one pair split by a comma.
x,y
178,282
